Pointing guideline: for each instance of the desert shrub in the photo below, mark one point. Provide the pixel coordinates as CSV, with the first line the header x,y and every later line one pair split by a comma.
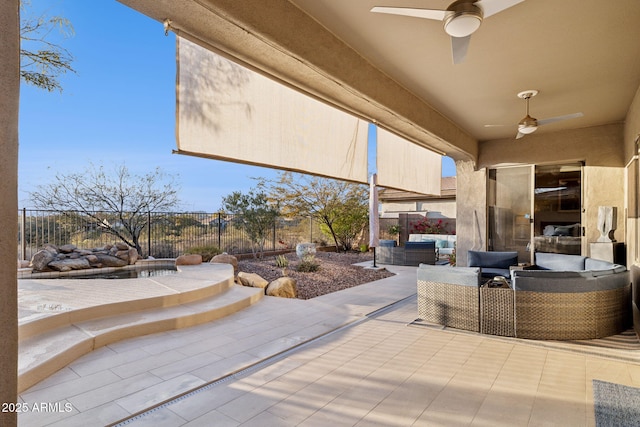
x,y
282,261
207,252
308,264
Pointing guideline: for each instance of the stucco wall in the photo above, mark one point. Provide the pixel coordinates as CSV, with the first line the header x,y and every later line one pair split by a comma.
x,y
597,146
632,127
602,150
9,102
603,186
471,207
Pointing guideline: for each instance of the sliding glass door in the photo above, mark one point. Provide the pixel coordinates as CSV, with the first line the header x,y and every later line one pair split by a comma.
x,y
558,209
510,208
535,207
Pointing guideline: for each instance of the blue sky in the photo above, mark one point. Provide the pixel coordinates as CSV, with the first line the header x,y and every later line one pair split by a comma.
x,y
118,108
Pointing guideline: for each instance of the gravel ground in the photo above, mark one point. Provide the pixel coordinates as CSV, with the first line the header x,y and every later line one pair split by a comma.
x,y
336,272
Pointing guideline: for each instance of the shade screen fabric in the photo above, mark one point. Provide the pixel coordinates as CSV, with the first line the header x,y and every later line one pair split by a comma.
x,y
404,165
229,112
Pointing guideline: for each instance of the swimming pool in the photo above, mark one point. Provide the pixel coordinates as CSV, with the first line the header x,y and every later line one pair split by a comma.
x,y
128,273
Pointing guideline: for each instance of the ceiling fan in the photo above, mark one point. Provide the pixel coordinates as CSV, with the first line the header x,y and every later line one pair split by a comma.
x,y
529,124
461,19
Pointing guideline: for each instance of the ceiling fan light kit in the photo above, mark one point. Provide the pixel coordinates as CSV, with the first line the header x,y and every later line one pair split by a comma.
x,y
462,19
527,128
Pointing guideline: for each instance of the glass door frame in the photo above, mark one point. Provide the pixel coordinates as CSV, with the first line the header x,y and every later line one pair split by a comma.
x,y
531,216
523,226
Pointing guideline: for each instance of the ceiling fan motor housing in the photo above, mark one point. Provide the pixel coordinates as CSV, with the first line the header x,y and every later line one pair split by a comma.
x,y
527,125
462,18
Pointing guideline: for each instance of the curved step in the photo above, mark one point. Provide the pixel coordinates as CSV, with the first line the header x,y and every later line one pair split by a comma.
x,y
66,336
191,283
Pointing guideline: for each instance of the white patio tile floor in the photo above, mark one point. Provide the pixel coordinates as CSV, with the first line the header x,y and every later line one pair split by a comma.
x,y
368,366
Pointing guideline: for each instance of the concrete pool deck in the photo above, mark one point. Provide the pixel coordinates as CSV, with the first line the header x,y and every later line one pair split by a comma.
x,y
62,319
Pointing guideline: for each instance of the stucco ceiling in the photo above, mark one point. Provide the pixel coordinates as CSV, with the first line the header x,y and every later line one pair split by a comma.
x,y
581,55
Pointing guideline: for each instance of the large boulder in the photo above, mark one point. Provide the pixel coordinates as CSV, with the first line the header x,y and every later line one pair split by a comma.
x,y
284,287
41,260
121,246
252,279
226,259
191,259
70,264
67,249
110,261
123,254
133,256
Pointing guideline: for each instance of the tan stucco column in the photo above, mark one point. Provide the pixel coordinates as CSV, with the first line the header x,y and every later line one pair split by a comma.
x,y
9,101
471,210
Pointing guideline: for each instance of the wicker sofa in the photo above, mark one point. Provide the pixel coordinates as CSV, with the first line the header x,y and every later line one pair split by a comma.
x,y
411,254
565,298
445,243
571,297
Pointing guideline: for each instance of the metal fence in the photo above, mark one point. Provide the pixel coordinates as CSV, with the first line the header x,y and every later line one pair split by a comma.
x,y
168,235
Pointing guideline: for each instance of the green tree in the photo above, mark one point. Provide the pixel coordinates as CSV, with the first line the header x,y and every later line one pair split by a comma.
x,y
41,60
255,215
339,207
117,202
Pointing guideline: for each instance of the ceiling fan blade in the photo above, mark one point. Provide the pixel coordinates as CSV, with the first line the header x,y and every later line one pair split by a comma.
x,y
496,126
459,47
519,135
438,15
491,7
559,118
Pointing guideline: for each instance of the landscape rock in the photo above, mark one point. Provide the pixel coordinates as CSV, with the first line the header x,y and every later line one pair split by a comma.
x,y
284,287
67,249
41,260
226,259
70,264
123,254
51,248
110,261
253,280
69,257
133,256
191,259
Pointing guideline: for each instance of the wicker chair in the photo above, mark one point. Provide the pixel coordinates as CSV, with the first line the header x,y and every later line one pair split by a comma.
x,y
449,296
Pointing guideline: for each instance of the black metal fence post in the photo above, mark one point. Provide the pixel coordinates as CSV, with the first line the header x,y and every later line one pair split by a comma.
x,y
148,234
23,240
220,230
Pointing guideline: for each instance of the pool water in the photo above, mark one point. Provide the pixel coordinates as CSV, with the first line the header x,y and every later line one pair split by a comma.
x,y
135,273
